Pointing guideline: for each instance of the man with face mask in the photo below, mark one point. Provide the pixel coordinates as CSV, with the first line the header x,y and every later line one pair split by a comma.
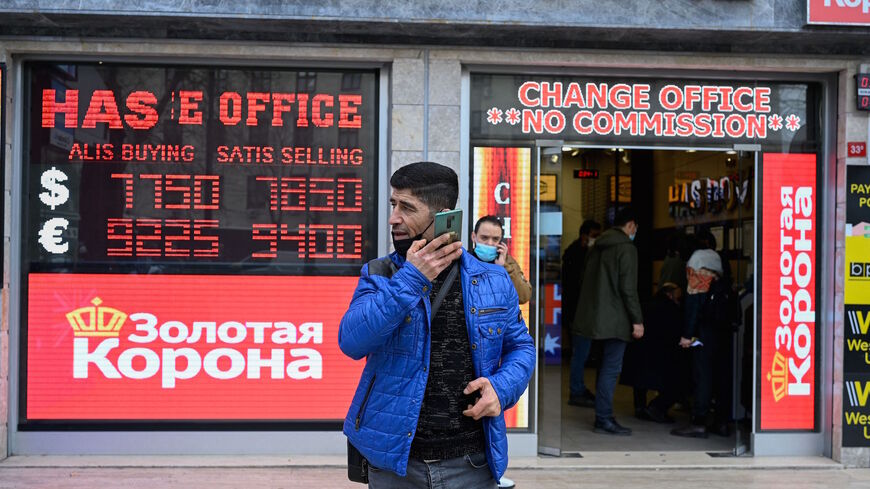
x,y
573,263
609,310
489,247
446,348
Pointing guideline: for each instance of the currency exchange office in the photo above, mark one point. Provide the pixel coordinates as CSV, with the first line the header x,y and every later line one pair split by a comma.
x,y
189,236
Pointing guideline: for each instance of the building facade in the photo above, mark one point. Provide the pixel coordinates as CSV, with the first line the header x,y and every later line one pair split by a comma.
x,y
186,185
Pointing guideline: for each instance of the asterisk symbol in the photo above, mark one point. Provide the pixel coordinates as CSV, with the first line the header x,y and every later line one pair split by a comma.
x,y
775,123
494,115
512,116
792,122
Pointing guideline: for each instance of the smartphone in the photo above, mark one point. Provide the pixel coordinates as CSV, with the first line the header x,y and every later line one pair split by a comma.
x,y
449,222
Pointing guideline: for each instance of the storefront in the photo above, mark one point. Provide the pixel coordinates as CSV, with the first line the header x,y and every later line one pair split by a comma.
x,y
167,205
189,239
742,159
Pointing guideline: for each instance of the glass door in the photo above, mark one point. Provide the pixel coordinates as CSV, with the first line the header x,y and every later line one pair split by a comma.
x,y
546,248
681,196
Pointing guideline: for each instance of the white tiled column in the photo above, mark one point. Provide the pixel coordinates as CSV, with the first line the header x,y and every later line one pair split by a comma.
x,y
407,116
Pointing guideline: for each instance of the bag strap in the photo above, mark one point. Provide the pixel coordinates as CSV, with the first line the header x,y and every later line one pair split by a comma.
x,y
445,287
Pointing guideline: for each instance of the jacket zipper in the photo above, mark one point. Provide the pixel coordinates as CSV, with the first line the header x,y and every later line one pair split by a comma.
x,y
492,310
365,401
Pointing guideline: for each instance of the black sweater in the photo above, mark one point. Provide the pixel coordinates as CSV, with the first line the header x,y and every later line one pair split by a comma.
x,y
443,431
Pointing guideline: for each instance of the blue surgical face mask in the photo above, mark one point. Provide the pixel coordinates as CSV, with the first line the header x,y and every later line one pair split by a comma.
x,y
485,252
631,236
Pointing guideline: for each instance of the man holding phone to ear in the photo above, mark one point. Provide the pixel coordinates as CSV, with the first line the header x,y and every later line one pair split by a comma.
x,y
489,247
446,347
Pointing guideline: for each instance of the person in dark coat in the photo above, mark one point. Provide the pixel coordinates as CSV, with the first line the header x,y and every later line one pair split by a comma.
x,y
573,261
711,313
656,361
609,310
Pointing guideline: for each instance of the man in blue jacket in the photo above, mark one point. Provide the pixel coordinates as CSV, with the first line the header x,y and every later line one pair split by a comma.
x,y
429,408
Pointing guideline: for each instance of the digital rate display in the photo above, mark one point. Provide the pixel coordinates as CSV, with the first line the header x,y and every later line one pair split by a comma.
x,y
175,169
191,239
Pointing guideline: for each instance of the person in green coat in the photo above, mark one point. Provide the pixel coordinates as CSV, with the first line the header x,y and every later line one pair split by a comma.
x,y
609,310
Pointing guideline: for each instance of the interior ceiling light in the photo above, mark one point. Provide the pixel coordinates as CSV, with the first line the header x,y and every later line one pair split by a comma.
x,y
566,148
575,152
731,152
691,150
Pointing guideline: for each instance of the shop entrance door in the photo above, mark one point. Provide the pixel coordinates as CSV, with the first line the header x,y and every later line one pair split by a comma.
x,y
681,197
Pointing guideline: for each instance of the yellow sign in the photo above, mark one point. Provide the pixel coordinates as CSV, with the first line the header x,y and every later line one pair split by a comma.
x,y
547,189
857,283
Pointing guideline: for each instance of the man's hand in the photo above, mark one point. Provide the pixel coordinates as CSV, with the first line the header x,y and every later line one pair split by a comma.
x,y
637,331
432,258
685,342
487,405
502,254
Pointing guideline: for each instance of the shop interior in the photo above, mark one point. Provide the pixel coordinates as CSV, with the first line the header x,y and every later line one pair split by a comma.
x,y
681,199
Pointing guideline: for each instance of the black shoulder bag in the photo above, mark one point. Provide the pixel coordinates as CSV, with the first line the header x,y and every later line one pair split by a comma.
x,y
357,465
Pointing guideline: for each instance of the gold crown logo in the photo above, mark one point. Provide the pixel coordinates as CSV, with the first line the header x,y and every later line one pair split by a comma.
x,y
96,321
778,376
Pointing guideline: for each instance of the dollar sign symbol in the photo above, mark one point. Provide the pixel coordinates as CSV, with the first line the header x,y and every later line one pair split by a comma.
x,y
57,193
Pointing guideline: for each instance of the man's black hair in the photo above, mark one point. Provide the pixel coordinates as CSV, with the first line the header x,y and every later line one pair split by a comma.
x,y
624,216
588,226
436,185
491,220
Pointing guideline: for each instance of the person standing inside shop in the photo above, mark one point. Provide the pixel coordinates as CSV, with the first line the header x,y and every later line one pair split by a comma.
x,y
709,314
429,407
609,310
489,247
573,261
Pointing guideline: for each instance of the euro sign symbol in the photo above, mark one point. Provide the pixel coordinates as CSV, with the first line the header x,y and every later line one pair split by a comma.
x,y
57,193
51,235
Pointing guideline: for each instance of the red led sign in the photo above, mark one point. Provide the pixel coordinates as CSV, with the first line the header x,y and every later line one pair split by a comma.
x,y
862,82
276,177
788,292
192,238
583,173
141,109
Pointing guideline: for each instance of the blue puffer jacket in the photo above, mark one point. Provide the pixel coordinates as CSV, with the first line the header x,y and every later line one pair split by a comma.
x,y
388,322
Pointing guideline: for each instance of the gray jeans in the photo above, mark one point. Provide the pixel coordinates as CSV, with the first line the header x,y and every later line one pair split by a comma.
x,y
468,472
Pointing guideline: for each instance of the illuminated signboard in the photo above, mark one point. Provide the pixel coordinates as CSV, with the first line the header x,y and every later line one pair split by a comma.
x,y
191,239
856,308
501,187
584,173
645,110
862,83
842,12
788,292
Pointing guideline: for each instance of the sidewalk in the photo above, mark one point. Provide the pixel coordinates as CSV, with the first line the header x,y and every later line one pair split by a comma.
x,y
597,471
